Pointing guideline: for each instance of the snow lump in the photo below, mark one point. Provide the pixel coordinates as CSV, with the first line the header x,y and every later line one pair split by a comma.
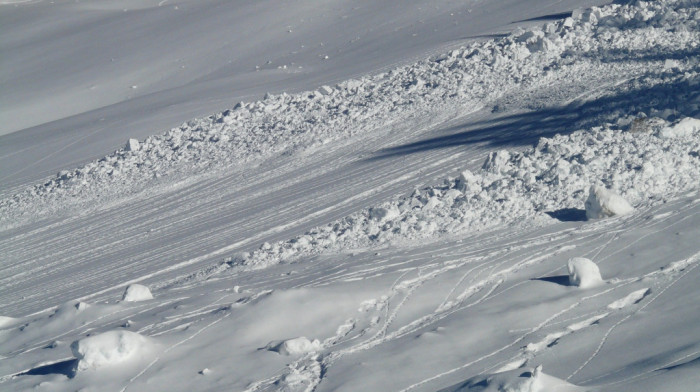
x,y
602,203
296,346
583,273
137,292
108,348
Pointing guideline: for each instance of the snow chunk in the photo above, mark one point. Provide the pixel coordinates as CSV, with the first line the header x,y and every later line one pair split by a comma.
x,y
383,214
137,292
296,346
584,273
108,348
132,145
603,203
686,127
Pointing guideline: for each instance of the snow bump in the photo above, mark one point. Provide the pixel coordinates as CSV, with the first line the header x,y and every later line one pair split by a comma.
x,y
136,292
109,348
584,273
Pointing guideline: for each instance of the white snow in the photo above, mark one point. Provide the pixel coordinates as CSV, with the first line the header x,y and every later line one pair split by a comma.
x,y
296,346
583,273
386,204
603,203
631,299
136,292
109,348
520,380
132,145
683,128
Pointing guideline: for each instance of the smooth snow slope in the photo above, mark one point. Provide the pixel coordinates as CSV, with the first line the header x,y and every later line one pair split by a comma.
x,y
82,77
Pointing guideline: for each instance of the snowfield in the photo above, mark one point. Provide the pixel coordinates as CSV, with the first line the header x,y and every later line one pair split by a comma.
x,y
518,213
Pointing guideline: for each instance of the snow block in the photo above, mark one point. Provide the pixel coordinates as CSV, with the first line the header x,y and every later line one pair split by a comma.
x,y
383,214
296,346
137,292
132,145
602,203
584,273
108,348
686,127
468,182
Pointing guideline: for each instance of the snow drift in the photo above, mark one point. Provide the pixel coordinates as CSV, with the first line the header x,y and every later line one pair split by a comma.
x,y
519,380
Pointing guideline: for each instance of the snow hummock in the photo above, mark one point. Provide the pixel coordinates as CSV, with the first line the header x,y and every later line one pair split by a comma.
x,y
296,346
109,348
8,321
683,128
603,203
584,273
518,380
136,292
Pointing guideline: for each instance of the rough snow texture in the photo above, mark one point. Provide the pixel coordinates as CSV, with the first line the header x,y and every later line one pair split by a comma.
x,y
526,187
584,273
108,348
603,203
684,128
137,292
461,79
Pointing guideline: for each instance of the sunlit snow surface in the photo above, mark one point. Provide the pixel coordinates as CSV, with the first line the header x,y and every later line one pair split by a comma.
x,y
421,229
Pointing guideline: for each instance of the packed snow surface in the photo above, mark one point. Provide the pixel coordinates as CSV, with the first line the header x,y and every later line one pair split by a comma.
x,y
459,223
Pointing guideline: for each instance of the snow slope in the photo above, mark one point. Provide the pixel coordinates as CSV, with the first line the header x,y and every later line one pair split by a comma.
x,y
98,72
407,230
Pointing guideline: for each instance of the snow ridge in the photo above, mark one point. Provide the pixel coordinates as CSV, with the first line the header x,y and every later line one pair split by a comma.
x,y
547,181
466,78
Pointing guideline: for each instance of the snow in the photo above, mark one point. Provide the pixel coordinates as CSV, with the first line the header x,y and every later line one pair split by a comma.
x,y
108,348
584,273
684,128
296,346
603,203
385,204
136,292
132,145
520,380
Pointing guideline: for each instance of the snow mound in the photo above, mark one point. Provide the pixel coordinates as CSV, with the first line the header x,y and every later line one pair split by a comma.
x,y
684,128
136,292
603,203
296,346
519,380
109,348
584,273
8,321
